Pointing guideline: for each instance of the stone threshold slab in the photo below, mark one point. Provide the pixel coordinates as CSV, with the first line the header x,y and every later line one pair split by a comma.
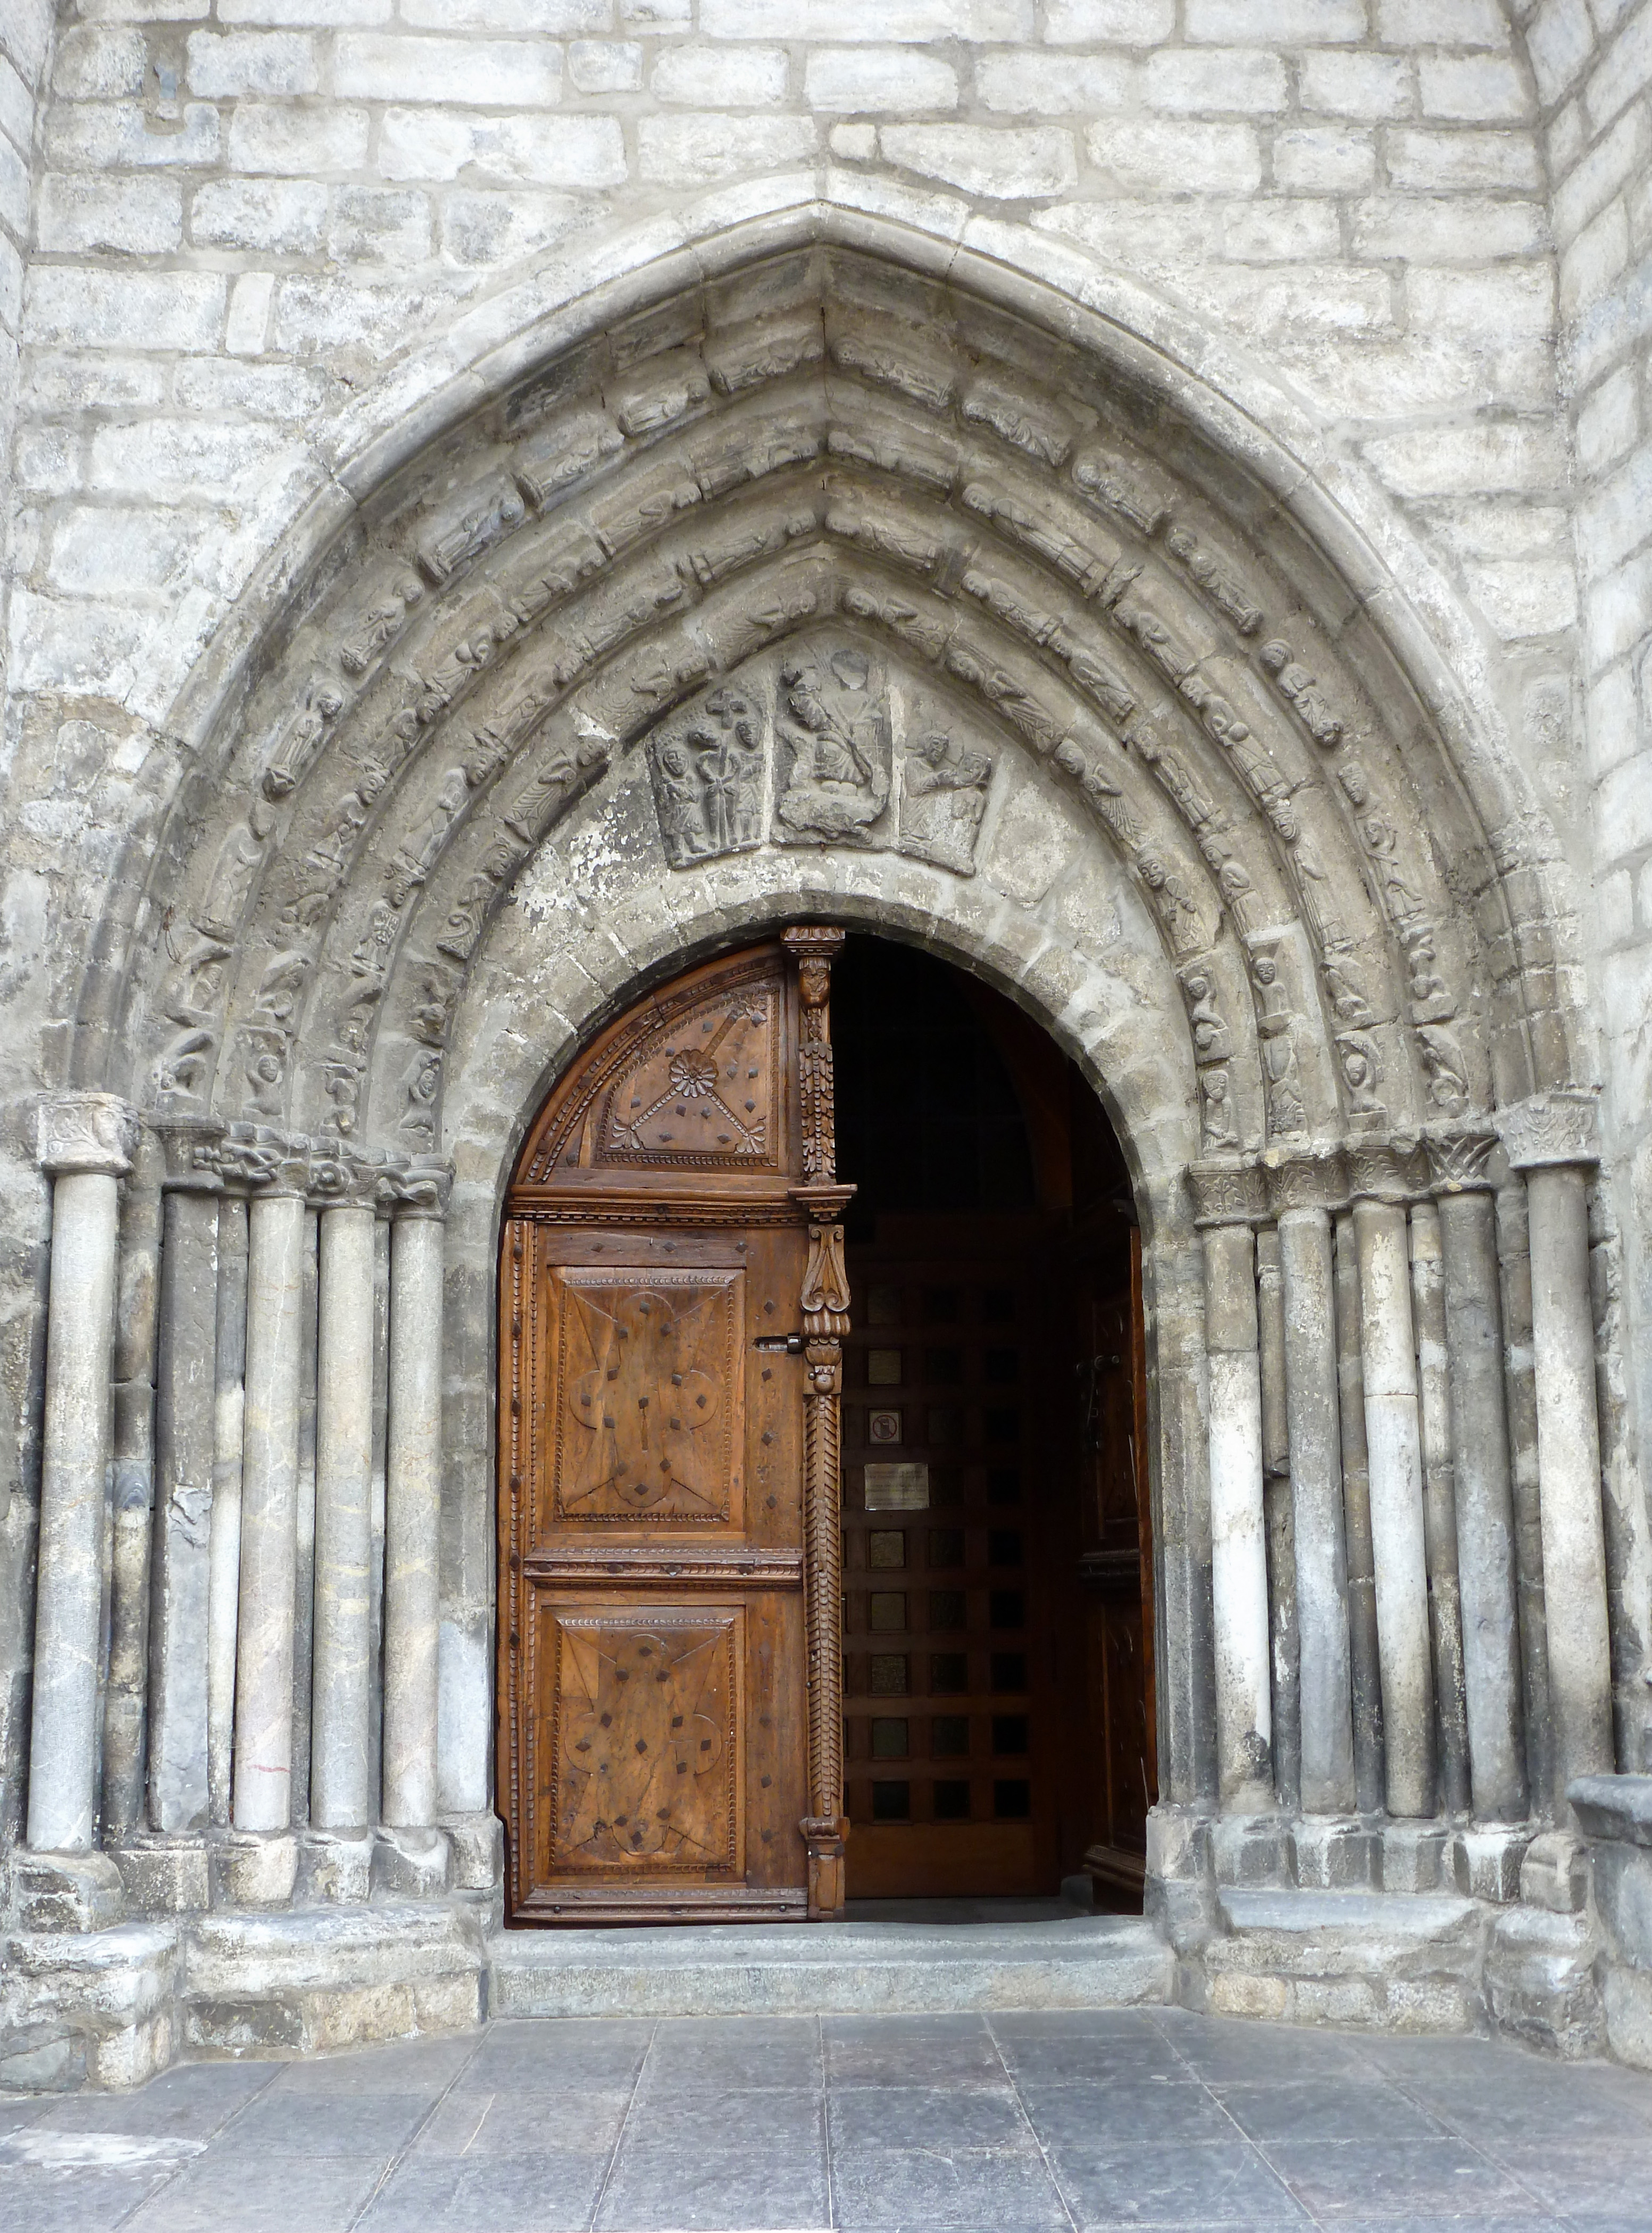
x,y
829,1969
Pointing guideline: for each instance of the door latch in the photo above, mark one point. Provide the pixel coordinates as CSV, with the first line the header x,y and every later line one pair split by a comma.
x,y
785,1345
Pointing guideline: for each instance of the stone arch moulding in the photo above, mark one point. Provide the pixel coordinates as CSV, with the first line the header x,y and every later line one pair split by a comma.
x,y
1146,734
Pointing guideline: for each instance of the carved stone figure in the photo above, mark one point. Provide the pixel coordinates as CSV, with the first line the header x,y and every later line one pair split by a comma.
x,y
832,725
943,797
239,860
1273,1021
707,775
302,740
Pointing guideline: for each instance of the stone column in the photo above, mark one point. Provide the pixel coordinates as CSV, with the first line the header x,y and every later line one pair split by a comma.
x,y
1520,1391
1302,1193
223,1555
1365,1669
126,1697
1479,1441
342,1800
85,1142
1226,1201
264,1702
1551,1139
1279,1520
1394,1454
185,1394
412,1855
1440,1503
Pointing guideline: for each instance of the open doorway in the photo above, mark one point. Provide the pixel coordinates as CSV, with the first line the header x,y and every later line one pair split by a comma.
x,y
998,1631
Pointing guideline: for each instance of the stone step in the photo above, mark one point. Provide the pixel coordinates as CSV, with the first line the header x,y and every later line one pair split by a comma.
x,y
1409,1962
1085,1962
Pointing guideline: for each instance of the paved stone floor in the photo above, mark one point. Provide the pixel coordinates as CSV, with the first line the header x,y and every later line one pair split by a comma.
x,y
975,2123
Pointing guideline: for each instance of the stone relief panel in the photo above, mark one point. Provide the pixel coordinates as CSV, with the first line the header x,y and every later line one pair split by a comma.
x,y
817,743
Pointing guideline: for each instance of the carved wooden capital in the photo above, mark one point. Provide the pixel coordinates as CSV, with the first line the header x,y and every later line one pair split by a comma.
x,y
1550,1129
85,1132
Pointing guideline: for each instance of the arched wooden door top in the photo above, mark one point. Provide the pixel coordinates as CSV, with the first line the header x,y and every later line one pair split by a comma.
x,y
672,1306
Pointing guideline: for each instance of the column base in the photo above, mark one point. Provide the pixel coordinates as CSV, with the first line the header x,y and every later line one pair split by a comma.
x,y
335,1868
1250,1849
254,1868
1331,1852
1415,1856
67,1891
476,1844
410,1863
166,1876
1486,1861
1554,1873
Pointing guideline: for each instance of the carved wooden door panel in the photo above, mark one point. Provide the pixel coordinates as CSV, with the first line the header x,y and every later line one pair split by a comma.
x,y
1117,1569
671,1302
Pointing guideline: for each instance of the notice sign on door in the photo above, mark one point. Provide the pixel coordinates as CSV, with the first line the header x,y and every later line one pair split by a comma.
x,y
897,1487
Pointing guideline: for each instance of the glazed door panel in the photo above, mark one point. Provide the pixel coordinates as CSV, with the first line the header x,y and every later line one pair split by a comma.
x,y
655,1751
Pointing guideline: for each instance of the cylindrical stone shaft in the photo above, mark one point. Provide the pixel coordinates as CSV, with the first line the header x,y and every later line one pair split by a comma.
x,y
223,1586
1485,1508
184,1453
340,1797
1365,1676
1238,1544
263,1703
1316,1496
1520,1388
1440,1504
1393,1448
126,1695
74,1485
1280,1524
412,1519
1574,1544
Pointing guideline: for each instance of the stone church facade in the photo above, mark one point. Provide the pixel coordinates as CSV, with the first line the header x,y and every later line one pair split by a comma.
x,y
450,445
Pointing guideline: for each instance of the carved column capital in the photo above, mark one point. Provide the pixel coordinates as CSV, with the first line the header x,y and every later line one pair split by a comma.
x,y
1552,1128
1457,1158
341,1181
1317,1180
1226,1194
418,1188
1386,1171
253,1159
190,1146
85,1132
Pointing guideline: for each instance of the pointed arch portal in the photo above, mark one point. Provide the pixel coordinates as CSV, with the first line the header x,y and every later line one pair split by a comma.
x,y
822,587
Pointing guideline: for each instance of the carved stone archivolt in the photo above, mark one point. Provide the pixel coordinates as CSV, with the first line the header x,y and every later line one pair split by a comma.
x,y
824,553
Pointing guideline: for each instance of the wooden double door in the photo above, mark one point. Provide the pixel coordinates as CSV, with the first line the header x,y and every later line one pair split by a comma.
x,y
717,1570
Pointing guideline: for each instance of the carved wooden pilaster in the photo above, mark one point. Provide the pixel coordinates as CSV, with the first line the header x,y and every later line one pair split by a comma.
x,y
824,1303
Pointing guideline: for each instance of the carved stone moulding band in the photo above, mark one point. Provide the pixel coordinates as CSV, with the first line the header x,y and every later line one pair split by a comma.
x,y
1550,1128
85,1132
1228,1193
1459,1159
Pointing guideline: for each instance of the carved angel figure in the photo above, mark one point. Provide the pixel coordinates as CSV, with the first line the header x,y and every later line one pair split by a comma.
x,y
944,788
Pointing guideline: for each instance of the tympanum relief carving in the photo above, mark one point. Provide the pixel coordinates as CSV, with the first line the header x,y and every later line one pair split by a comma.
x,y
817,744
